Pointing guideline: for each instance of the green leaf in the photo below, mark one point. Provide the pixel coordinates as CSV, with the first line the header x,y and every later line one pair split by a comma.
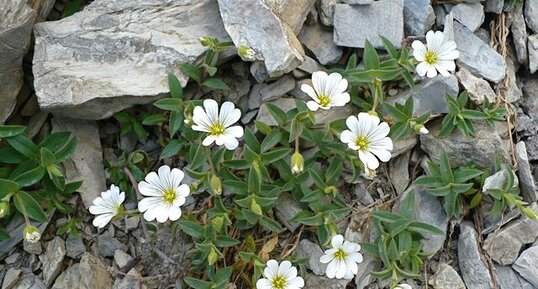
x,y
473,114
72,7
352,62
192,71
176,90
197,284
389,47
216,83
154,119
425,227
272,139
198,156
11,130
370,57
278,114
6,187
385,216
307,218
398,115
172,104
24,145
191,228
270,224
4,235
275,155
67,148
25,203
225,241
47,158
446,170
30,177
171,149
175,122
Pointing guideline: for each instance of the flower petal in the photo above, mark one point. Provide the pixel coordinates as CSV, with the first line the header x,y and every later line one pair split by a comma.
x,y
229,114
312,105
369,160
319,79
212,110
337,241
419,50
309,90
422,68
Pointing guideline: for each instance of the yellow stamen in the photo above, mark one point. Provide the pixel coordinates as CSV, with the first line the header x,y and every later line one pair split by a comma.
x,y
324,100
169,196
217,129
362,142
340,255
430,57
279,282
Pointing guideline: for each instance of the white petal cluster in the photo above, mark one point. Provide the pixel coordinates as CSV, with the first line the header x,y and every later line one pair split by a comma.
x,y
218,125
403,286
164,195
326,91
280,276
369,138
343,258
437,55
107,206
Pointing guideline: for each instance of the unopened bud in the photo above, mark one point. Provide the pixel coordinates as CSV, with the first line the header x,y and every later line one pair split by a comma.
x,y
205,41
420,128
246,53
212,257
31,234
4,209
330,190
256,208
369,173
217,223
216,185
297,163
530,213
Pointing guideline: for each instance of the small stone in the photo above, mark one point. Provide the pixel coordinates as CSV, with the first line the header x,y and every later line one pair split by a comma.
x,y
86,162
419,17
11,277
33,248
494,6
477,87
326,13
509,279
481,150
387,14
286,208
74,247
527,185
429,94
249,116
132,223
446,278
531,14
130,281
277,89
519,34
319,40
258,71
310,66
107,245
312,252
504,245
12,258
399,172
470,15
533,53
122,258
477,56
497,181
30,281
321,282
286,104
473,267
403,145
252,23
512,91
52,260
90,273
527,265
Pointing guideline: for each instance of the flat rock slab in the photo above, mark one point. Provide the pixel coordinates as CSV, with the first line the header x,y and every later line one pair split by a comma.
x,y
255,24
116,54
473,266
16,20
419,17
354,24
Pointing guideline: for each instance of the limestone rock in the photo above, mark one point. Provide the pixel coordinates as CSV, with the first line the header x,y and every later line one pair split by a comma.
x,y
481,149
292,12
519,34
473,267
321,282
387,14
312,252
52,260
469,14
477,87
90,273
494,6
286,208
477,56
526,265
531,14
399,172
319,40
86,163
326,13
419,17
16,20
533,53
130,281
446,278
116,54
527,185
253,23
509,279
10,278
29,281
429,94
107,245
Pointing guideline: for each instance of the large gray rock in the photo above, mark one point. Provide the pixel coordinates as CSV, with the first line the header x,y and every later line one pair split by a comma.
x,y
533,53
477,87
446,278
512,91
319,40
291,12
116,54
133,280
507,278
353,23
429,94
473,266
90,273
86,162
326,11
16,20
469,14
477,56
253,23
527,265
321,282
504,246
482,149
531,14
527,185
419,17
29,281
52,260
519,34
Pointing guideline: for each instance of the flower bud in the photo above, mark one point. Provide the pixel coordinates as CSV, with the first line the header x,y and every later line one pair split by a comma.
x,y
246,53
205,41
331,190
297,163
216,185
31,234
217,223
369,173
420,128
256,208
212,257
4,209
530,213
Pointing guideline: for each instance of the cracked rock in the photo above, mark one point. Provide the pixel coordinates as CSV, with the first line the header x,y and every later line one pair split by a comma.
x,y
52,260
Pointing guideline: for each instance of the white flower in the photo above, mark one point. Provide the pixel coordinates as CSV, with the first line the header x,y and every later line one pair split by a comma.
x,y
369,137
246,53
423,130
283,276
342,258
327,91
107,206
164,195
31,234
218,125
403,286
437,55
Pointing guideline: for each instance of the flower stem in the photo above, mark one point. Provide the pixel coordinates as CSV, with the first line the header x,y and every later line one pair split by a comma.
x,y
210,160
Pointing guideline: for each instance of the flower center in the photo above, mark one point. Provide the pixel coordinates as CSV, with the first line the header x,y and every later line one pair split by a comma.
x,y
117,210
279,282
324,100
217,129
362,142
169,196
340,255
430,57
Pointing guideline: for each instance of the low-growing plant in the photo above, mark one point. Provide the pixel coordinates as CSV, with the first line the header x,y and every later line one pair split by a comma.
x,y
460,117
404,122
